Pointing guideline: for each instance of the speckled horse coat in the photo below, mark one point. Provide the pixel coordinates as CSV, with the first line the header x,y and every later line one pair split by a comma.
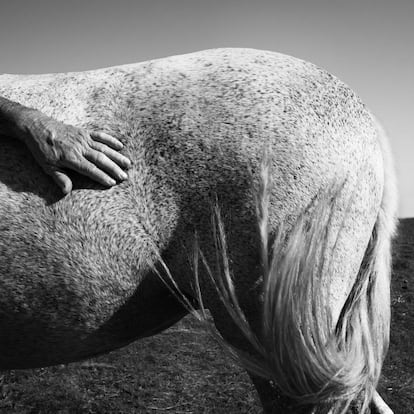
x,y
75,271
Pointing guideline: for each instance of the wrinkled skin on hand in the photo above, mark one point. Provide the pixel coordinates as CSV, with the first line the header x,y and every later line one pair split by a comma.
x,y
57,147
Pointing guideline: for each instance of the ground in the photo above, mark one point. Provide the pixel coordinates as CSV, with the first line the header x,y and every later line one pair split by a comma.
x,y
397,383
183,370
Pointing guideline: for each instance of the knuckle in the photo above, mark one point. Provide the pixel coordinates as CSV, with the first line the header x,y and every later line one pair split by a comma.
x,y
91,169
86,136
71,157
101,158
97,146
81,136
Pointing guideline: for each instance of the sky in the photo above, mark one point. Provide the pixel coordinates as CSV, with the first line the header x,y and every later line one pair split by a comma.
x,y
369,44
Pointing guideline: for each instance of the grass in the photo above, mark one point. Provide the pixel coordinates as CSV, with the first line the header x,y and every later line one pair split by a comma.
x,y
397,384
183,370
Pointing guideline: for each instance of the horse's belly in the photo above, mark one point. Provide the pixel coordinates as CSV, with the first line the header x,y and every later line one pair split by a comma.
x,y
46,321
49,311
58,305
70,286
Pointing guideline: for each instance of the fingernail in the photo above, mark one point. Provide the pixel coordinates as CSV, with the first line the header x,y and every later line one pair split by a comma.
x,y
123,175
112,182
66,189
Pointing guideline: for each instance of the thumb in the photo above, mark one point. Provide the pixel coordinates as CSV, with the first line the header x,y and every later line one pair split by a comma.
x,y
62,180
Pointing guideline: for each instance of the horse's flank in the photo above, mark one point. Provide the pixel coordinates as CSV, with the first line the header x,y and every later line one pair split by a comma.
x,y
76,275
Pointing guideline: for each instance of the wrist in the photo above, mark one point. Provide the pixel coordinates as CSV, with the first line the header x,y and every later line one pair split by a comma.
x,y
29,124
17,120
32,126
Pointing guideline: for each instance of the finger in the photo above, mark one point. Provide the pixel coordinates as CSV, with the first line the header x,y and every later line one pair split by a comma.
x,y
62,180
106,139
102,161
87,168
115,156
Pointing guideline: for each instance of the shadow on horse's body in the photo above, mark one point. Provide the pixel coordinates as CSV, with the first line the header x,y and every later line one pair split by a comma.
x,y
76,274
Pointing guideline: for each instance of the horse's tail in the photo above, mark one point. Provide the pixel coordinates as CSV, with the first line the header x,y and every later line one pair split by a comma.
x,y
311,359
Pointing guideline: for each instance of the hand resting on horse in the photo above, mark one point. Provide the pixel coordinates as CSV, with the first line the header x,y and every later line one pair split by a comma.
x,y
57,146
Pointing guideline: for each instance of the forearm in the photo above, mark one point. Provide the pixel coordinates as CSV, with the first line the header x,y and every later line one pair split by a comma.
x,y
15,119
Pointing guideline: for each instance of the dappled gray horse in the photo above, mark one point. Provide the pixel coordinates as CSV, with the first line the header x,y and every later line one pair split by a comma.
x,y
84,274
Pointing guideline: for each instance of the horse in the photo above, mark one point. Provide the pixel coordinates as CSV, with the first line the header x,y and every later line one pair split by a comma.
x,y
262,189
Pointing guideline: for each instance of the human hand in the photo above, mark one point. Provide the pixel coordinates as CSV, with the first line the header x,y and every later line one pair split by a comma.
x,y
57,146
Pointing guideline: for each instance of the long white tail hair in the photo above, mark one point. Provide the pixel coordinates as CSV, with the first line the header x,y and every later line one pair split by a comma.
x,y
312,360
